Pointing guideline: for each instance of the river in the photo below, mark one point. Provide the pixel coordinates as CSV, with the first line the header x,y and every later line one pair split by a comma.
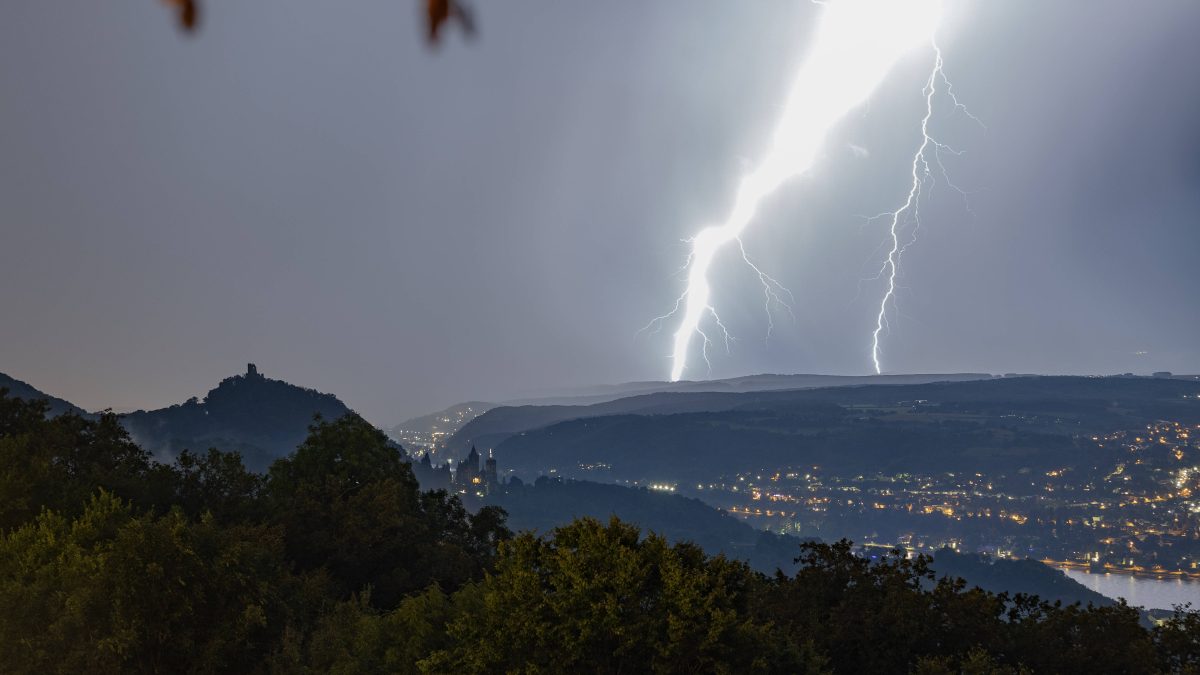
x,y
1141,591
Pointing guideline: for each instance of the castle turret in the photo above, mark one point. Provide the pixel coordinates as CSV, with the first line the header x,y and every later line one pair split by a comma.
x,y
489,471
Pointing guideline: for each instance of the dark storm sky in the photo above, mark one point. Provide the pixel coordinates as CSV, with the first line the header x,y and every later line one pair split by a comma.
x,y
303,185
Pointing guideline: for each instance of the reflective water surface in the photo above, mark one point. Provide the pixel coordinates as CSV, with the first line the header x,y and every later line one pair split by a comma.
x,y
1141,591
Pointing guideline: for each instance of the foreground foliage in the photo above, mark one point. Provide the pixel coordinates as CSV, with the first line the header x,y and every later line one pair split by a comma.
x,y
335,561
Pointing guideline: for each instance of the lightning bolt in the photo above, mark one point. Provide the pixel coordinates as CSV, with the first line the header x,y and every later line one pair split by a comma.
x,y
922,183
857,43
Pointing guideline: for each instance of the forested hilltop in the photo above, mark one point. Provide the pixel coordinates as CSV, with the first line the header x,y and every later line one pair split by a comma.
x,y
335,561
261,418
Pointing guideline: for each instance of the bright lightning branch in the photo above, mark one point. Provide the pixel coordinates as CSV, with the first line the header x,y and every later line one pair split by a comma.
x,y
856,44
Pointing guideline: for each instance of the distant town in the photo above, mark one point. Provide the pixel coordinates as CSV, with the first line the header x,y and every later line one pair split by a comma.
x,y
1138,516
1133,507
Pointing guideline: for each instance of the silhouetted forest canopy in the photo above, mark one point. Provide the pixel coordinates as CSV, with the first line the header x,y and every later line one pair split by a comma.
x,y
334,560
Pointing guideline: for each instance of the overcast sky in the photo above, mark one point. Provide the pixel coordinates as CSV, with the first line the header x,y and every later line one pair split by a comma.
x,y
305,186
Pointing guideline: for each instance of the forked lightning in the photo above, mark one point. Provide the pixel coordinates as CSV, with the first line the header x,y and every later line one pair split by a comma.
x,y
856,44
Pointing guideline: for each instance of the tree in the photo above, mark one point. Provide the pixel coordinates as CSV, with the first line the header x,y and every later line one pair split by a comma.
x,y
111,591
603,599
350,505
1178,642
218,483
355,637
1074,639
58,463
876,615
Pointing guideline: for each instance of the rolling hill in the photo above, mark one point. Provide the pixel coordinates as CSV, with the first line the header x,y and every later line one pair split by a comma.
x,y
18,389
261,418
1006,423
657,397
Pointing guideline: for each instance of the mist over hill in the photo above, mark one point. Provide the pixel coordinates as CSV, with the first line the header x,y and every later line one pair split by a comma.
x,y
443,419
428,431
262,418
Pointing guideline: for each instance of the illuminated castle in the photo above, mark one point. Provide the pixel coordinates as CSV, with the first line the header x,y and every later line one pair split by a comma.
x,y
470,476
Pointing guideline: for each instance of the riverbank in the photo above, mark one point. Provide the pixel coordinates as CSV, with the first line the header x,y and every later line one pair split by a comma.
x,y
1139,590
1135,571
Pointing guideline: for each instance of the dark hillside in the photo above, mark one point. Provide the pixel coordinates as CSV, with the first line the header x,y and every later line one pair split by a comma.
x,y
261,418
22,390
1053,404
551,503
